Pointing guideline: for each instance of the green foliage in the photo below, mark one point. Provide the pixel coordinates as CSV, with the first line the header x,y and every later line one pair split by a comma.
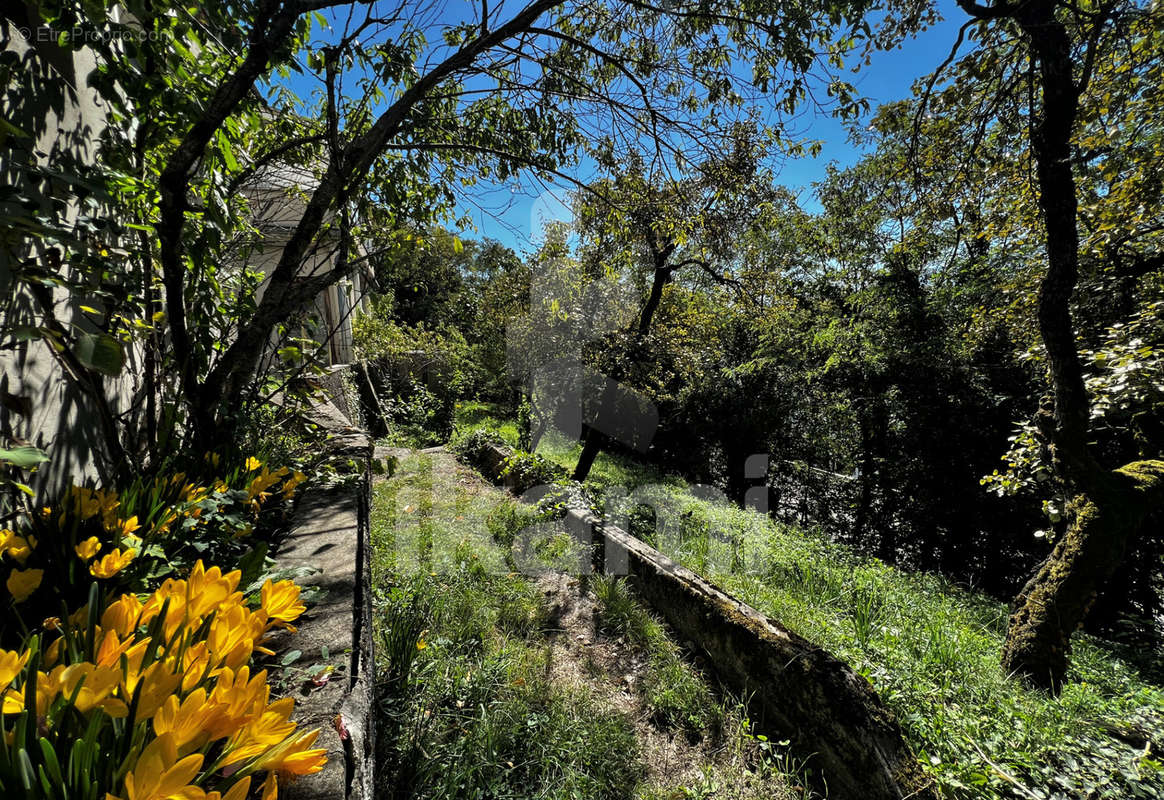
x,y
419,373
507,519
472,416
475,447
675,693
527,470
473,287
16,466
930,649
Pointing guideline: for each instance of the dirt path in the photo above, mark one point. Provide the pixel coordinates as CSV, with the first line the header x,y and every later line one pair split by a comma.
x,y
614,673
438,507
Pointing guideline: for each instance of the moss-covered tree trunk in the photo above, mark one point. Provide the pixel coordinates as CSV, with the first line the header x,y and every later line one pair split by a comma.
x,y
1038,640
1109,506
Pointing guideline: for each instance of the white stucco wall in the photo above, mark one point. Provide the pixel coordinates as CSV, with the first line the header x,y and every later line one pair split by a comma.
x,y
51,99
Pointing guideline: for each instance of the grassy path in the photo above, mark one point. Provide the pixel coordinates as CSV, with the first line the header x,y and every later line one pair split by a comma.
x,y
498,685
929,648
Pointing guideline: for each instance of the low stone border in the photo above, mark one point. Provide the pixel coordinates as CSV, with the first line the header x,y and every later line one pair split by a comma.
x,y
330,532
795,689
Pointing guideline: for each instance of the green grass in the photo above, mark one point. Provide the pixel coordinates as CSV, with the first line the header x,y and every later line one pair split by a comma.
x,y
475,415
466,707
931,649
467,704
675,693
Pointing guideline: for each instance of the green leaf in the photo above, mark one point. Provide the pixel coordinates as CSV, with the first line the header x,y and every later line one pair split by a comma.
x,y
25,457
24,333
51,765
252,563
290,657
100,352
27,773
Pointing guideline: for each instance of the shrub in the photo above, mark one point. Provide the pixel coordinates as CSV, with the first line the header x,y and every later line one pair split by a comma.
x,y
420,372
131,538
135,699
527,470
472,446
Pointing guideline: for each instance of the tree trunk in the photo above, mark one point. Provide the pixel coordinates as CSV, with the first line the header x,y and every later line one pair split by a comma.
x,y
659,281
1038,640
1109,506
591,446
593,441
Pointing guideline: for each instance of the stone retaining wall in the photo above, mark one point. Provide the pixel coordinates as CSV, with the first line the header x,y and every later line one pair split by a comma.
x,y
796,690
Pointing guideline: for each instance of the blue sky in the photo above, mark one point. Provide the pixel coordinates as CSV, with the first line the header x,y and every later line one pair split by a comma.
x,y
513,217
514,214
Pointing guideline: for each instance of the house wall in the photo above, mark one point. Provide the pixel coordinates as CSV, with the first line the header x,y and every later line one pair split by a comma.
x,y
276,201
49,97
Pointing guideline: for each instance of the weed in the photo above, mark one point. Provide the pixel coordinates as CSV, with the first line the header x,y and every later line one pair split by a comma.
x,y
403,615
620,613
675,693
865,612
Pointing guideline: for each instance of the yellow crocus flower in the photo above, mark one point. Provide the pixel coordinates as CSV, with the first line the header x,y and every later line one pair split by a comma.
x,y
23,582
86,503
158,682
88,548
90,686
270,728
110,647
292,484
195,665
11,663
48,686
281,602
189,720
13,702
128,526
20,548
112,563
293,756
237,792
108,502
159,774
207,589
52,653
122,615
252,464
173,592
232,636
240,698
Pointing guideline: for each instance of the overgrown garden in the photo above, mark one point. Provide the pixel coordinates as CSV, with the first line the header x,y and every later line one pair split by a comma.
x,y
929,387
